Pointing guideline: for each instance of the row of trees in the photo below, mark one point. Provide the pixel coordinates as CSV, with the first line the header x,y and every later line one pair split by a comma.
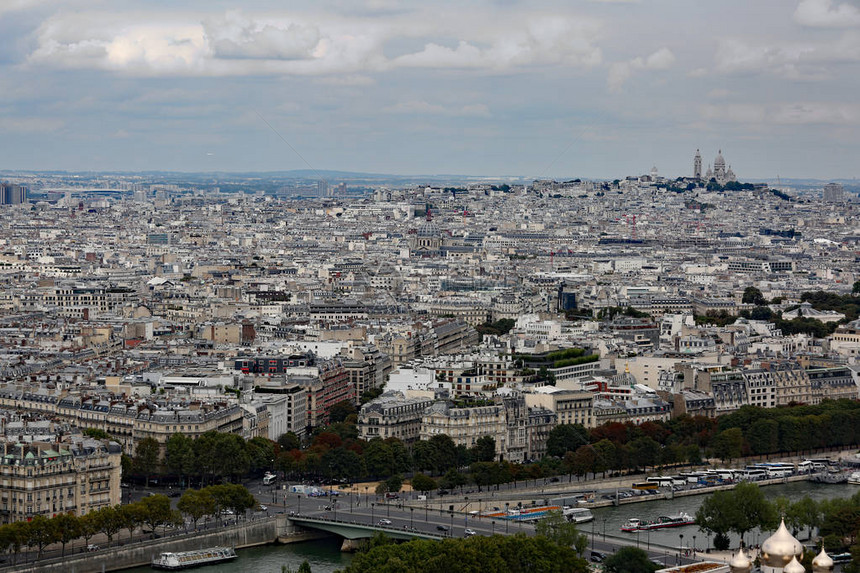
x,y
151,512
212,457
556,548
335,452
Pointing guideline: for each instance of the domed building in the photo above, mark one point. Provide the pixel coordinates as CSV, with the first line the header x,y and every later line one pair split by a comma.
x,y
720,173
427,240
781,552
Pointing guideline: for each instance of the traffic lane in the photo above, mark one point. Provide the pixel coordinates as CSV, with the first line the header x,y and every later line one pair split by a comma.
x,y
425,521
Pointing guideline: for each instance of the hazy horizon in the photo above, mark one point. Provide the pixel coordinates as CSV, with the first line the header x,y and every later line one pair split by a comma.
x,y
594,89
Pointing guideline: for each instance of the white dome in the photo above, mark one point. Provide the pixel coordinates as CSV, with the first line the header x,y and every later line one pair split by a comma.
x,y
779,549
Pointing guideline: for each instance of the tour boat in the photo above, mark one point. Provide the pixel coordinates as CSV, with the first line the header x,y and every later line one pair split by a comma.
x,y
668,521
631,525
186,559
577,514
854,478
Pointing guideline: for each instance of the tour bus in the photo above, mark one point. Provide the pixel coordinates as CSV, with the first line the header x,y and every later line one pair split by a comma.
x,y
724,474
776,469
662,481
644,486
754,474
269,478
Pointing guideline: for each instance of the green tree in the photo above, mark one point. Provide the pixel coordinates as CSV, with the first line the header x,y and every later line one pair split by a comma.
x,y
89,526
289,441
18,535
43,531
752,295
629,560
728,443
566,438
379,459
478,554
856,288
763,436
196,504
155,511
423,483
805,512
561,531
485,449
179,453
341,411
67,526
96,433
130,516
110,520
444,452
645,451
394,483
145,460
452,479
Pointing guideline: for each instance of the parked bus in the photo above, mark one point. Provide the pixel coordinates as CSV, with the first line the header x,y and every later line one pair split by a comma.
x,y
644,486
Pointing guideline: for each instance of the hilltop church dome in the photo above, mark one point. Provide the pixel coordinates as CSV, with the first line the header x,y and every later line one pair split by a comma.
x,y
781,548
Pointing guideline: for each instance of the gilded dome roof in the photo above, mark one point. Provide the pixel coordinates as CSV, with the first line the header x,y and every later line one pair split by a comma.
x,y
794,567
780,548
740,563
822,563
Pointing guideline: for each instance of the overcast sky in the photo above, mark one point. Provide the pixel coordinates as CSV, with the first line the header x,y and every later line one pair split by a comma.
x,y
599,88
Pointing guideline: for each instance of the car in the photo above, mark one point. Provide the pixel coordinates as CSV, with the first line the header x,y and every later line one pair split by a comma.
x,y
391,495
92,547
264,508
598,557
443,492
442,528
383,522
554,480
469,532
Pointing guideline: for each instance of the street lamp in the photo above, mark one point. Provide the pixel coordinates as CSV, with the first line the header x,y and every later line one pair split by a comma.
x,y
299,498
604,529
371,512
494,526
452,524
680,547
411,511
694,546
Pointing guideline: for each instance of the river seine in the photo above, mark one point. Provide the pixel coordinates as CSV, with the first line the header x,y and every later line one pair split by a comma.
x,y
325,556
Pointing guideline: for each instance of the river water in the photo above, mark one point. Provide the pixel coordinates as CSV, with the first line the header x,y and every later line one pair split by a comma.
x,y
324,555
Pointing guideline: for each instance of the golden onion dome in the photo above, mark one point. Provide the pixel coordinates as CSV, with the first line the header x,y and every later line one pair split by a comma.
x,y
780,548
740,563
822,563
794,567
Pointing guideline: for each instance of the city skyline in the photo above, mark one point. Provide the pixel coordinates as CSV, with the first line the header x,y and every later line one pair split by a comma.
x,y
595,89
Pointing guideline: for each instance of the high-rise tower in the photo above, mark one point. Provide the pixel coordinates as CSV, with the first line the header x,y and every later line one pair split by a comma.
x,y
697,165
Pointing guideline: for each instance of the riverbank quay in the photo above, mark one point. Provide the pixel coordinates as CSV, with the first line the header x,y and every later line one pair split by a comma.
x,y
590,493
275,529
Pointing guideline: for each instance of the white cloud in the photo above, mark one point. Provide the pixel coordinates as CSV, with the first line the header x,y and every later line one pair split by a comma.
x,y
789,60
423,107
620,72
234,36
139,44
785,114
826,14
266,44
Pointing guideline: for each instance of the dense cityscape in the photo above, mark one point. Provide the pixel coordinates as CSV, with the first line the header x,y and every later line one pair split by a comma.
x,y
445,335
387,286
